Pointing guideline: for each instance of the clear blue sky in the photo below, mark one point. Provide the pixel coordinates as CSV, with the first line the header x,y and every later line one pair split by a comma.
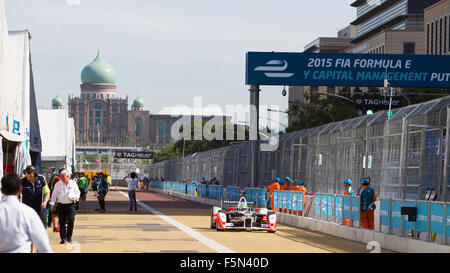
x,y
167,52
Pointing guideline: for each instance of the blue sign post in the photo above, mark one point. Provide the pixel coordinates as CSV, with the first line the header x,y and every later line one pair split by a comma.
x,y
343,69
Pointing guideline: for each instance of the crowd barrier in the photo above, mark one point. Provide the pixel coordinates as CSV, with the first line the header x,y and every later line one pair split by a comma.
x,y
233,193
432,217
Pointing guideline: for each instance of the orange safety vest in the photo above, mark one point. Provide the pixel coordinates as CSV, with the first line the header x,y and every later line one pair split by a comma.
x,y
287,186
275,186
303,189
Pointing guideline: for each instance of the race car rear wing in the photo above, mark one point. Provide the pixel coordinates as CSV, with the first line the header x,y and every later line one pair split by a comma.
x,y
232,204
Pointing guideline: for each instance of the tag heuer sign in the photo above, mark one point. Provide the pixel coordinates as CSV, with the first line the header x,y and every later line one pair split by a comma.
x,y
135,155
374,103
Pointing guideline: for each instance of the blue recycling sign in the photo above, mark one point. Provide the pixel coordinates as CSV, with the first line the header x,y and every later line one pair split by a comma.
x,y
345,69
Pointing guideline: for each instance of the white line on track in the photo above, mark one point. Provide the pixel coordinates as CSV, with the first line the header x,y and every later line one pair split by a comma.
x,y
189,231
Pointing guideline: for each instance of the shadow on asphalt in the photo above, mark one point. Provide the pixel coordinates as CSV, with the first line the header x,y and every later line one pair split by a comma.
x,y
169,208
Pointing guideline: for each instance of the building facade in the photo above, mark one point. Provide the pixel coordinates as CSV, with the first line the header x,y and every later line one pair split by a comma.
x,y
321,45
389,26
103,119
437,28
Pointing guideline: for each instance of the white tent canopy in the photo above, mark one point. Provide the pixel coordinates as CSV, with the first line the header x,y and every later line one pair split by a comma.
x,y
58,136
15,90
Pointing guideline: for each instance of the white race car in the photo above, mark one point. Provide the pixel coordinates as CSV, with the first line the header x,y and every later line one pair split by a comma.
x,y
243,217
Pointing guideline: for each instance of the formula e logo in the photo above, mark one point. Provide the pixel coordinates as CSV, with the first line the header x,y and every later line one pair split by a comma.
x,y
274,69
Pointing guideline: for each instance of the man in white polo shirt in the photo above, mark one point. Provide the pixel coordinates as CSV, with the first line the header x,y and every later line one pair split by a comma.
x,y
65,195
20,225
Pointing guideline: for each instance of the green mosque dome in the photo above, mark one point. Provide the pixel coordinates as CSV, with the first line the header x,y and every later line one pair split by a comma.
x,y
138,102
98,71
57,101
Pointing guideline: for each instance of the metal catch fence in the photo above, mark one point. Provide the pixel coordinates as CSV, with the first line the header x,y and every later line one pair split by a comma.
x,y
404,155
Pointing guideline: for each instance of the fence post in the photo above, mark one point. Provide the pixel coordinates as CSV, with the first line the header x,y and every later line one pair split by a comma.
x,y
402,217
334,208
415,225
429,221
446,158
390,216
351,211
403,156
445,223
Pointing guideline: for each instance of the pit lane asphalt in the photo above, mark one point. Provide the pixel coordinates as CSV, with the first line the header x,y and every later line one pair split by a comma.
x,y
119,232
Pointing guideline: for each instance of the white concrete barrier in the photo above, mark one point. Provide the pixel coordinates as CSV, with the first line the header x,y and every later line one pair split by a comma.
x,y
387,241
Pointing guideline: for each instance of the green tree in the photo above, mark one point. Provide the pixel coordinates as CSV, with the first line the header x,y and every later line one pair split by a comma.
x,y
195,146
319,111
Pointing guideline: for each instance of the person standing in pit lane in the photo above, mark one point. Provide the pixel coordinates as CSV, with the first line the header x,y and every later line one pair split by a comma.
x,y
146,183
132,182
83,186
64,197
36,192
102,191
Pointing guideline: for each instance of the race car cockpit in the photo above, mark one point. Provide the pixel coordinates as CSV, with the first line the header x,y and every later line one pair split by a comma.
x,y
242,205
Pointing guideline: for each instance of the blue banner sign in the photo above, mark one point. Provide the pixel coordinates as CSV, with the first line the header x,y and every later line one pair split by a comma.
x,y
280,200
396,214
355,208
437,218
323,205
317,204
294,200
339,204
343,69
422,217
300,201
261,198
284,200
331,205
289,200
347,207
447,222
407,224
275,200
384,212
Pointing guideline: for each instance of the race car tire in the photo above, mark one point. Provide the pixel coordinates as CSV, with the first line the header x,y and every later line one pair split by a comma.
x,y
213,225
217,226
270,231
